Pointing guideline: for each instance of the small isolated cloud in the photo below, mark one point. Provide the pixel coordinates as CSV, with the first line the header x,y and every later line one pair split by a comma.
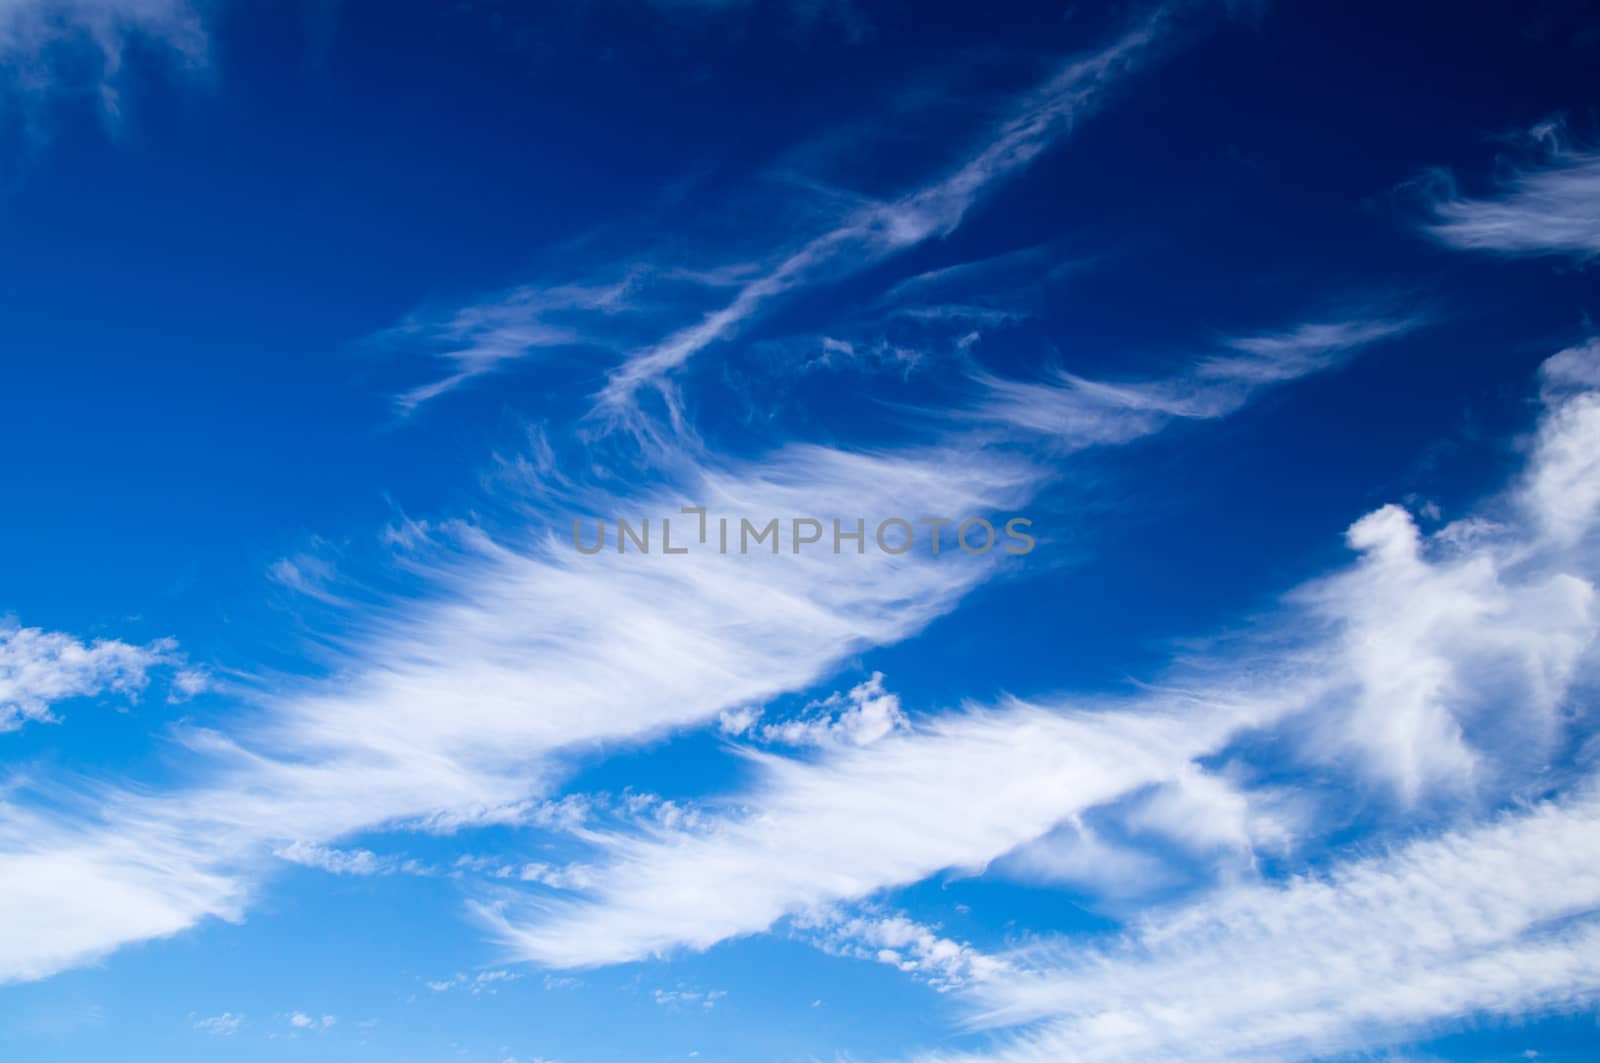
x,y
336,861
225,1025
301,1021
682,997
188,683
476,984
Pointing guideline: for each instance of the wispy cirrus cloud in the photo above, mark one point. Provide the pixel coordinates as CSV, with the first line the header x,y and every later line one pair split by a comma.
x,y
1077,412
456,708
225,1025
484,337
1549,205
43,44
480,338
1499,919
959,792
879,229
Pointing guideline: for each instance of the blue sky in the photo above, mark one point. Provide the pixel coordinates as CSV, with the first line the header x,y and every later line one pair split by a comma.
x,y
322,324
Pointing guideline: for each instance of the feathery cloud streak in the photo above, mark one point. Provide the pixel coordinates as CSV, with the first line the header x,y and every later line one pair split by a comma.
x,y
1549,208
480,339
1501,918
881,229
34,35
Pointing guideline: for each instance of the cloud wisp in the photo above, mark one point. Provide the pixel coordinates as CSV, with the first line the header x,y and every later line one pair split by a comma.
x,y
1076,412
1549,207
483,338
38,37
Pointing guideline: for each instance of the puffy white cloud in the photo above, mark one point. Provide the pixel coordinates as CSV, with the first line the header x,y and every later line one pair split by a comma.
x,y
1563,487
301,1021
1436,660
39,668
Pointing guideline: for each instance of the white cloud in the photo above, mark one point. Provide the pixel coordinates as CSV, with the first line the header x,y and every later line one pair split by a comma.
x,y
456,710
39,668
1078,412
1430,665
860,717
688,997
1442,653
335,861
959,792
36,36
1551,207
301,1021
188,683
1307,348
452,710
1498,919
1076,855
739,721
225,1025
83,890
1207,810
481,338
904,944
484,982
1563,490
879,229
